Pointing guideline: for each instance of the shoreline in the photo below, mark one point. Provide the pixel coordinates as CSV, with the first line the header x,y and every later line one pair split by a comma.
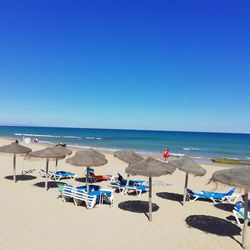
x,y
111,152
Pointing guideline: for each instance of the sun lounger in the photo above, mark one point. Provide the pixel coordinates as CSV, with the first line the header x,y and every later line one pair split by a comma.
x,y
238,212
130,182
57,176
230,196
81,195
124,189
60,187
138,189
43,173
93,197
91,188
68,192
95,178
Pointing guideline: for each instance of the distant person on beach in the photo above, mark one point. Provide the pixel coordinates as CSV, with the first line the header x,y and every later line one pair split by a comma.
x,y
165,154
35,140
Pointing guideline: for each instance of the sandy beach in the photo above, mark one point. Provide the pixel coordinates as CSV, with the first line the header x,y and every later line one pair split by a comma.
x,y
32,218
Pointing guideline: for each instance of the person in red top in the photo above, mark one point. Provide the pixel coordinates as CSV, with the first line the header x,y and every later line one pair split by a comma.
x,y
165,154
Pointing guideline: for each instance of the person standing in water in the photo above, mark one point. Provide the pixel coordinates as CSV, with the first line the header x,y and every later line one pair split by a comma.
x,y
165,154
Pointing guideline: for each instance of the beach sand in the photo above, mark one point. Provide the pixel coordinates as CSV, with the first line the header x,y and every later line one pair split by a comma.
x,y
32,218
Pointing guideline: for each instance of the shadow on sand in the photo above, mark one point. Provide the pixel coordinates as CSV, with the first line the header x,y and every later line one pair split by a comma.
x,y
170,196
81,179
225,207
21,177
51,184
137,207
214,225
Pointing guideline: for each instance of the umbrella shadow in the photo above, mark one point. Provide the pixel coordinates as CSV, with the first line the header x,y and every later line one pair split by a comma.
x,y
137,207
225,207
21,177
214,225
81,179
51,184
171,196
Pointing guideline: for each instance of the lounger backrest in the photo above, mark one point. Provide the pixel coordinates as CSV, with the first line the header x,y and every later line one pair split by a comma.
x,y
60,186
68,190
230,192
83,195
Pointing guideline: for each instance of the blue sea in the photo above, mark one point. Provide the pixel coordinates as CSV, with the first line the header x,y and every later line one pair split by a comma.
x,y
199,145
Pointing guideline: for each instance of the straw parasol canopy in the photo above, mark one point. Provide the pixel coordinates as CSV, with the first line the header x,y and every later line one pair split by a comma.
x,y
236,177
15,149
150,168
188,166
129,157
62,149
87,158
48,154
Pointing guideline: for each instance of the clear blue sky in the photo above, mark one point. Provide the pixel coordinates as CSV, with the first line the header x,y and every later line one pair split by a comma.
x,y
169,65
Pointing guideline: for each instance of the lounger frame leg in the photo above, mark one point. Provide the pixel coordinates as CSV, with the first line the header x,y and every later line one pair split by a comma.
x,y
236,215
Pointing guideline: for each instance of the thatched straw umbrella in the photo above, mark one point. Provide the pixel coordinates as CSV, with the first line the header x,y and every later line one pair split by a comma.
x,y
236,177
61,149
15,149
188,166
87,158
150,168
129,157
48,154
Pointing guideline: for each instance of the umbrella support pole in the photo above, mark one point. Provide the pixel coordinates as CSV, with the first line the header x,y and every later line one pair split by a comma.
x,y
185,190
244,234
14,167
150,199
56,164
47,172
87,180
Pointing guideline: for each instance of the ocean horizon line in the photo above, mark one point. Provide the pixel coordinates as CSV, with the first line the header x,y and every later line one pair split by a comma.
x,y
129,129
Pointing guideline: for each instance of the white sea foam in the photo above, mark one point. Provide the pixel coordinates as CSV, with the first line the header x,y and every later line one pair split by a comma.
x,y
92,138
49,136
71,137
38,135
176,155
190,149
